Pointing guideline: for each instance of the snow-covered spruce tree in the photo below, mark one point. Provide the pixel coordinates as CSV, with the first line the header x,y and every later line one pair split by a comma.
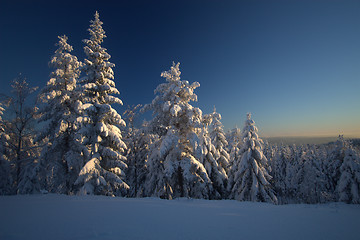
x,y
209,156
138,142
234,144
334,161
62,155
270,151
249,177
309,179
173,169
348,186
324,185
321,154
278,172
218,138
23,153
103,172
294,155
5,169
137,156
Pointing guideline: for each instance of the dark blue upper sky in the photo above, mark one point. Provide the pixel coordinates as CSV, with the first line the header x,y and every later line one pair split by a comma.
x,y
294,64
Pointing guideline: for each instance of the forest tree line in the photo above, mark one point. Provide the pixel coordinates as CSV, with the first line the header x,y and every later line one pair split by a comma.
x,y
72,141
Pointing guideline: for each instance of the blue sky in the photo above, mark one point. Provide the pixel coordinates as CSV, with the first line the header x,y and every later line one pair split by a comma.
x,y
294,64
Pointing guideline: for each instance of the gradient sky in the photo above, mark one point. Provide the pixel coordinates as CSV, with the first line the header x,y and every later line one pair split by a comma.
x,y
294,64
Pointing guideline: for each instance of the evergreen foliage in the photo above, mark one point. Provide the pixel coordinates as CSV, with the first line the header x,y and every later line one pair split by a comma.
x,y
348,185
218,138
104,170
81,144
174,170
138,142
212,158
62,155
234,139
5,168
250,177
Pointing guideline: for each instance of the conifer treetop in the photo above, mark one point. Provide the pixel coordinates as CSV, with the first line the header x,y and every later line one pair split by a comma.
x,y
96,31
250,173
98,83
63,45
66,67
173,74
57,98
178,90
250,131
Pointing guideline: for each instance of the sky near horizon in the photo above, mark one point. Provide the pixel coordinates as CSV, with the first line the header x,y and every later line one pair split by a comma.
x,y
295,65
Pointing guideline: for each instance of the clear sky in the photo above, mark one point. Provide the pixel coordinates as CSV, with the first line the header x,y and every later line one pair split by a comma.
x,y
294,64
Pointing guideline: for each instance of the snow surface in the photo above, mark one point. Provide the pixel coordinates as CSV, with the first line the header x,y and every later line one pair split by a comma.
x,y
98,217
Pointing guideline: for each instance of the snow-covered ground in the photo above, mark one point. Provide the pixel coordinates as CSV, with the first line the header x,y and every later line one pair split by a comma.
x,y
62,217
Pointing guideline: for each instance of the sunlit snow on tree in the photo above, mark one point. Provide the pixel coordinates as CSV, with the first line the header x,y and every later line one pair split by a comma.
x,y
5,168
348,185
249,177
63,154
212,159
103,172
173,168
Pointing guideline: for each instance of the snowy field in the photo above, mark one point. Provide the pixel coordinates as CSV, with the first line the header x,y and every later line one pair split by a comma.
x,y
62,217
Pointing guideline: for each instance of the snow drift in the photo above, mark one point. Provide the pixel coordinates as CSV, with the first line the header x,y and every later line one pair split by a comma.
x,y
99,217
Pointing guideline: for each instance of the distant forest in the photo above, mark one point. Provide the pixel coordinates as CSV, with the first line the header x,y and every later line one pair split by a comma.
x,y
72,141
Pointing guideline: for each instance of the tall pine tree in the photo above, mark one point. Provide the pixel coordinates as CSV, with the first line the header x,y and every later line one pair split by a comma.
x,y
212,159
5,168
62,156
138,142
348,186
218,138
104,171
173,168
249,179
234,144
